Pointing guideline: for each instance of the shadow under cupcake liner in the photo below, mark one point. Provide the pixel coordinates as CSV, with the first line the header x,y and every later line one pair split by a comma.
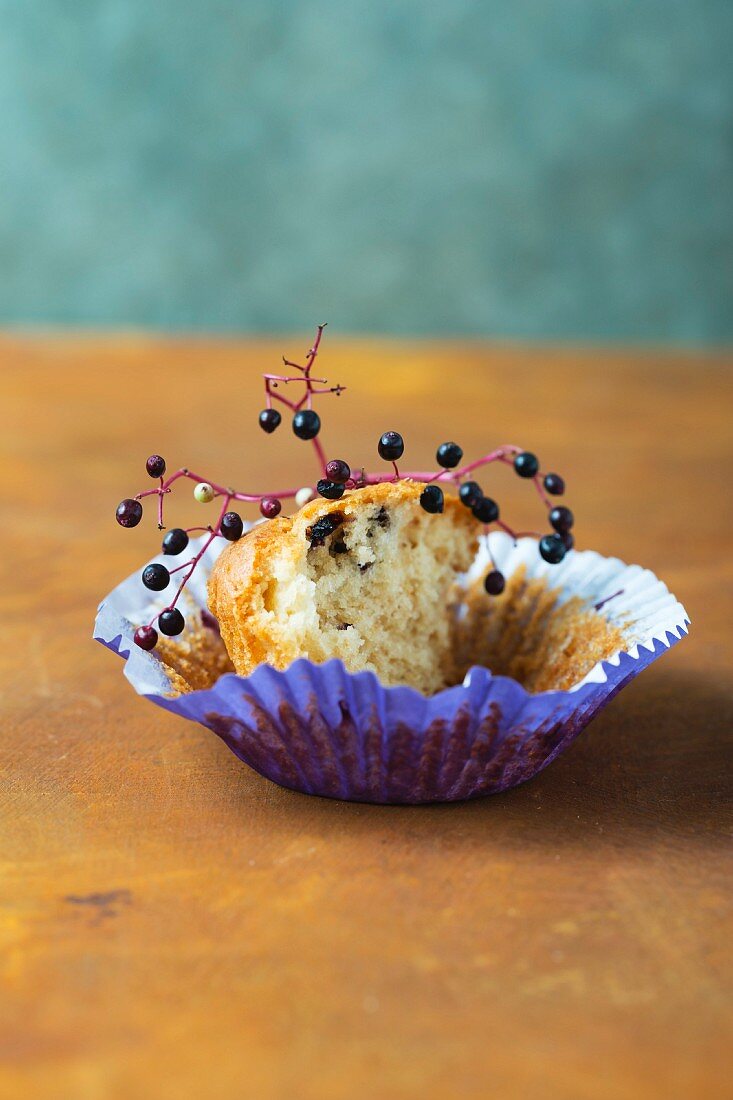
x,y
319,729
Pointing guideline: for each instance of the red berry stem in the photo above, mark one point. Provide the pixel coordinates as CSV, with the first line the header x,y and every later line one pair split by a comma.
x,y
151,492
198,556
160,507
320,455
178,568
193,564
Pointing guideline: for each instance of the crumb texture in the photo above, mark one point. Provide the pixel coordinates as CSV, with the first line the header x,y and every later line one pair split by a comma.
x,y
369,579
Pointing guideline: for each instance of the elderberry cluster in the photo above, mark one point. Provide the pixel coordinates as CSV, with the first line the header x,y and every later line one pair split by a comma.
x,y
336,478
157,577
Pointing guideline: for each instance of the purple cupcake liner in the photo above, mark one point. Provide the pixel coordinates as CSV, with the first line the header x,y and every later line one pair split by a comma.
x,y
319,729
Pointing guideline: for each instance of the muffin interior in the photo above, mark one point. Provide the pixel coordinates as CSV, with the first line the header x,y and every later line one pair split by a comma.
x,y
376,590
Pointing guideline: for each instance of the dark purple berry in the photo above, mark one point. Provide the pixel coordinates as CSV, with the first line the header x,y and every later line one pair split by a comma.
x,y
156,577
323,527
269,420
155,466
146,637
448,455
338,470
331,490
554,485
494,582
175,541
306,424
526,464
567,539
552,549
129,513
391,446
470,493
270,507
561,519
171,622
431,499
486,510
231,526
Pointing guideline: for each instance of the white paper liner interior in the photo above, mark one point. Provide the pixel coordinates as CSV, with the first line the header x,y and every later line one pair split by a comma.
x,y
642,606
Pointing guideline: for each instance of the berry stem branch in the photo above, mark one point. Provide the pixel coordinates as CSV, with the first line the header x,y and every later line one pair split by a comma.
x,y
272,381
195,560
338,478
363,478
320,455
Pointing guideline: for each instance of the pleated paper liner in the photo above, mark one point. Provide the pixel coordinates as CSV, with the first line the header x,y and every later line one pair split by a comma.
x,y
319,729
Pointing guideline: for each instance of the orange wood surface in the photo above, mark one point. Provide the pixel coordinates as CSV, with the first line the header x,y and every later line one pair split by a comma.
x,y
173,925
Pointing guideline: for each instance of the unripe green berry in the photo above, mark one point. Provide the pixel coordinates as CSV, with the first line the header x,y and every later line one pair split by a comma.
x,y
204,493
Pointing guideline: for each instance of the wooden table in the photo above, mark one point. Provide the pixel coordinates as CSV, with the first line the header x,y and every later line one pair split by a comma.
x,y
175,926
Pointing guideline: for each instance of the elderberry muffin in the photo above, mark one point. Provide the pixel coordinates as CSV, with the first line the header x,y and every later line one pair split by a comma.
x,y
370,579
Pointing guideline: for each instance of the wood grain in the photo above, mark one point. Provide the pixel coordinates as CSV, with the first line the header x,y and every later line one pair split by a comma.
x,y
173,925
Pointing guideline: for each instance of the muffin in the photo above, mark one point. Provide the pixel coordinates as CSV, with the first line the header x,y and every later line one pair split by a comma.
x,y
371,579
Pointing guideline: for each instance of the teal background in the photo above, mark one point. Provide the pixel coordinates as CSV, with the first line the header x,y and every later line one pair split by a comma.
x,y
525,168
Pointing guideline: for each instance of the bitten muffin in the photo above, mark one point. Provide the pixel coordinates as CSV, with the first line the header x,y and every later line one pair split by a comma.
x,y
370,579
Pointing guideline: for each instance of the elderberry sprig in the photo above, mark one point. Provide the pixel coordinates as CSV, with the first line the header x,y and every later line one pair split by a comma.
x,y
337,478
